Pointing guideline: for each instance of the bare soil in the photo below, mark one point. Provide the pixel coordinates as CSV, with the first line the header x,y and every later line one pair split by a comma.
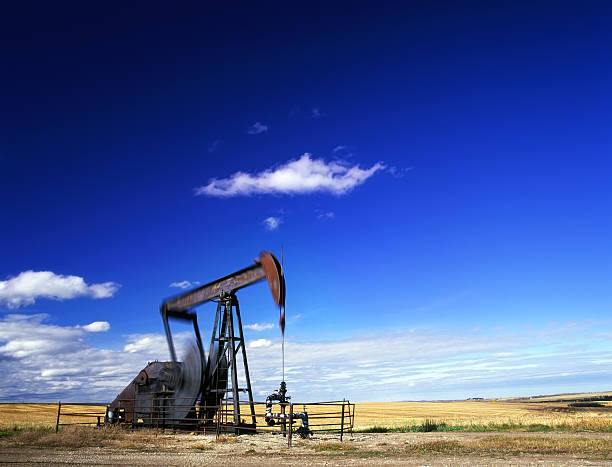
x,y
437,448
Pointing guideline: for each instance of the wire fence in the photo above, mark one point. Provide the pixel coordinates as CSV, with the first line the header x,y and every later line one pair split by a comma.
x,y
244,417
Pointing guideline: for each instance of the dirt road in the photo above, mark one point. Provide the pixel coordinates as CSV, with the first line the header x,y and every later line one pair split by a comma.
x,y
425,449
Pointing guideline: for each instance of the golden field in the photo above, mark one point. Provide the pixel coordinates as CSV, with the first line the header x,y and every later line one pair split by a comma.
x,y
45,415
470,413
514,412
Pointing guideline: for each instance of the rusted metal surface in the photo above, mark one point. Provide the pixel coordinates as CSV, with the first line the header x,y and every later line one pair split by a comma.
x,y
274,274
266,267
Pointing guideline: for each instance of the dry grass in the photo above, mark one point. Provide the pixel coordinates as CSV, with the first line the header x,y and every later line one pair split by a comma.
x,y
334,446
202,447
226,439
70,437
518,445
73,437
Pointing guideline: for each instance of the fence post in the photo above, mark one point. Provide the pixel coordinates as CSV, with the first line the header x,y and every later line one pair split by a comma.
x,y
59,407
290,424
342,422
218,416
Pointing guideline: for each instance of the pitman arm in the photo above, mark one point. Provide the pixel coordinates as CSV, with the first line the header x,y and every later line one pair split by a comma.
x,y
266,266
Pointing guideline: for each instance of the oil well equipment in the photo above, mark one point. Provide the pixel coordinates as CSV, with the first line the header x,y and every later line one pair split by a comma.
x,y
189,393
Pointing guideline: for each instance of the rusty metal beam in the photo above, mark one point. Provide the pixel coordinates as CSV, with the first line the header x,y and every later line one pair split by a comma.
x,y
266,267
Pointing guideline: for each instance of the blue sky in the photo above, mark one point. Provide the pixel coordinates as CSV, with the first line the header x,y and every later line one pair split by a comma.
x,y
438,177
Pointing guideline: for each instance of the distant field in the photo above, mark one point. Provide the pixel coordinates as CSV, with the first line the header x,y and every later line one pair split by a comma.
x,y
494,414
466,413
44,415
557,397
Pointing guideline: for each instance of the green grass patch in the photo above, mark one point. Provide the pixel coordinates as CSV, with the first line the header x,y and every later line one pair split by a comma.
x,y
495,427
586,404
371,454
20,429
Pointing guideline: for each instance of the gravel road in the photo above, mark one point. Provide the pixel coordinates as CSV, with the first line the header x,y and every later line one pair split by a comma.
x,y
359,449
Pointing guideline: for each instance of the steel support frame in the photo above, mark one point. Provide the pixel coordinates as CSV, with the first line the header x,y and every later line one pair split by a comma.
x,y
224,332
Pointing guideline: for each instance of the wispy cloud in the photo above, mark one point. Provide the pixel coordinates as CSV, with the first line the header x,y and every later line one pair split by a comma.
x,y
183,284
420,364
315,112
156,343
258,327
272,223
339,148
325,214
257,128
398,172
42,361
214,146
29,335
25,288
298,176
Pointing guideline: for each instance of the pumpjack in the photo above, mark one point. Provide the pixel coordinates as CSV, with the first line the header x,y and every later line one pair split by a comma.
x,y
188,393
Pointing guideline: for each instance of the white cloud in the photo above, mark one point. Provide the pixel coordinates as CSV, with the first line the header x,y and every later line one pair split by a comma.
x,y
258,327
258,343
139,344
272,223
257,128
419,364
339,148
299,176
316,113
183,284
97,326
41,361
154,343
28,335
25,288
54,372
325,215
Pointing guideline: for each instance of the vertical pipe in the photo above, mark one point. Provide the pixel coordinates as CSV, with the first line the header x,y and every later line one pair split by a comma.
x,y
283,407
290,424
59,407
218,421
